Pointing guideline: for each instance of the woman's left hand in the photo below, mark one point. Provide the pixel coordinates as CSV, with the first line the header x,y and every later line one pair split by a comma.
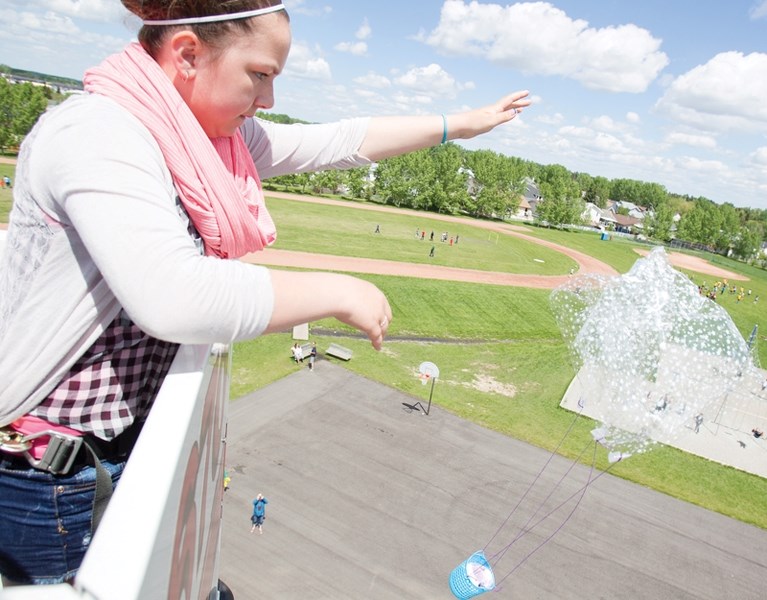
x,y
391,136
481,120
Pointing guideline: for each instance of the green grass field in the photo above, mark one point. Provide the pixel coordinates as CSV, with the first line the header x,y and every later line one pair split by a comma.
x,y
350,232
502,360
6,195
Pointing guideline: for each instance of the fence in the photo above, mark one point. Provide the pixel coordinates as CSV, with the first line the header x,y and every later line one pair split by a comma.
x,y
161,534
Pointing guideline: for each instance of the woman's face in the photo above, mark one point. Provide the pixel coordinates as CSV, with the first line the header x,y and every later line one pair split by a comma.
x,y
230,85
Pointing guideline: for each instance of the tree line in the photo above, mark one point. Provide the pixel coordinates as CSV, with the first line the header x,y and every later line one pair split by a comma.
x,y
486,184
21,104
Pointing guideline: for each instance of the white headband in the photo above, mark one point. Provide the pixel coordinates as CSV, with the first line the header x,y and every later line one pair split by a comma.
x,y
213,18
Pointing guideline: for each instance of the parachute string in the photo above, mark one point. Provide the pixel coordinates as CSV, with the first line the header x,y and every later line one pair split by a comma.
x,y
582,492
537,477
629,347
524,530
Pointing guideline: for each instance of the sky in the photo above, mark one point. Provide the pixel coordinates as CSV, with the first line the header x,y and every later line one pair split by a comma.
x,y
666,91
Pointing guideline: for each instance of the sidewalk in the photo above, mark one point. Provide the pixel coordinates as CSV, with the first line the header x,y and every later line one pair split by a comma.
x,y
715,441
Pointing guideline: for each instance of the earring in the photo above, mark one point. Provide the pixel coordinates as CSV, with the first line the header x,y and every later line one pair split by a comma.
x,y
185,75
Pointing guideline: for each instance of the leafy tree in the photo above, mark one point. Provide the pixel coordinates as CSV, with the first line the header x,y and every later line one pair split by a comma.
x,y
21,105
658,223
749,240
702,223
323,182
559,210
679,204
757,215
30,101
279,118
597,191
497,183
446,182
625,189
357,181
562,204
729,226
400,179
654,195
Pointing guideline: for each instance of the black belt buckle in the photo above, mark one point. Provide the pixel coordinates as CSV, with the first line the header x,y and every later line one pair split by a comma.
x,y
60,454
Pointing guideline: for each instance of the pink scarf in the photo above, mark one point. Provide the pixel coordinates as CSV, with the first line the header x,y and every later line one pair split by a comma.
x,y
215,178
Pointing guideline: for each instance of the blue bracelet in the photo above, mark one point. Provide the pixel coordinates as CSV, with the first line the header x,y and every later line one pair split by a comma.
x,y
444,129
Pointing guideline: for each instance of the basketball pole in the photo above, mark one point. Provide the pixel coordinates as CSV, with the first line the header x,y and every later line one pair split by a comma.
x,y
425,411
431,393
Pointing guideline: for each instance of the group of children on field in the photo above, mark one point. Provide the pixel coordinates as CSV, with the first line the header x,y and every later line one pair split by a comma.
x,y
723,287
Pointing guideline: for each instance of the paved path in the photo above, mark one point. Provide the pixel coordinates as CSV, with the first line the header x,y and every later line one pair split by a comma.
x,y
370,501
727,441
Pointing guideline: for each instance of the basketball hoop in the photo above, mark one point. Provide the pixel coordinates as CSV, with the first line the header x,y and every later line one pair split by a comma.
x,y
427,371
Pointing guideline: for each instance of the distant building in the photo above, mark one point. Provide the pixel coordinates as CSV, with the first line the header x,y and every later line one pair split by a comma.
x,y
601,218
635,211
626,224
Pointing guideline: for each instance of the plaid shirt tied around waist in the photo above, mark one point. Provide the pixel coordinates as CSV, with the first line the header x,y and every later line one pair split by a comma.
x,y
113,384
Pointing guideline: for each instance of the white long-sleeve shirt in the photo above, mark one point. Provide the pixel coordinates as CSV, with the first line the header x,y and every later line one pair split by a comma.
x,y
95,228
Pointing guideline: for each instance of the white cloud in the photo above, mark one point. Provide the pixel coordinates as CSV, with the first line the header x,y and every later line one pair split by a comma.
x,y
54,43
367,94
305,63
590,139
692,163
758,10
91,10
726,93
100,11
536,37
356,48
300,7
373,80
633,117
606,124
48,23
415,99
688,139
432,80
546,119
364,31
359,48
759,157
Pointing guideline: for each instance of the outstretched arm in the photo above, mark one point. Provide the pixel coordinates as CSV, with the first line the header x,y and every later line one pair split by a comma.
x,y
300,297
390,136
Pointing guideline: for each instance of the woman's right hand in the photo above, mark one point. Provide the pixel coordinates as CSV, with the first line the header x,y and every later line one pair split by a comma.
x,y
301,297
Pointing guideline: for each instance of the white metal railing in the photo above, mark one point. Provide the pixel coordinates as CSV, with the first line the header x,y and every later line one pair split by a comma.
x,y
161,534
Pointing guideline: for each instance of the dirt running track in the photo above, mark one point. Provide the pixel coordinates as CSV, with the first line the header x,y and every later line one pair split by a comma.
x,y
286,258
586,264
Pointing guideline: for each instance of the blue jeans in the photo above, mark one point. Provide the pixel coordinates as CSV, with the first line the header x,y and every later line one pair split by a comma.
x,y
45,521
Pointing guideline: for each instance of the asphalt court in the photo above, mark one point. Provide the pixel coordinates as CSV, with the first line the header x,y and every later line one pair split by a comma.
x,y
370,500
